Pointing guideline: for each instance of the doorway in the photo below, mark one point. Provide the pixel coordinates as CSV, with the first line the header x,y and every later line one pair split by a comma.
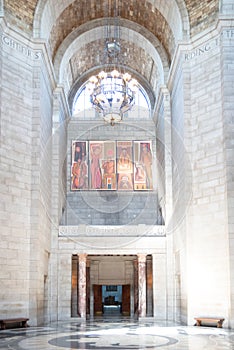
x,y
111,300
111,285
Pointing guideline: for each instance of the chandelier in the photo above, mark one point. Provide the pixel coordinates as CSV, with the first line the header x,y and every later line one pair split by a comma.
x,y
112,91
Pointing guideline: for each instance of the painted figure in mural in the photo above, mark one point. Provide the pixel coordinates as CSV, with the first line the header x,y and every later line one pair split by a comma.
x,y
140,173
96,175
75,175
78,152
79,175
83,174
79,167
125,182
108,167
109,164
124,161
146,161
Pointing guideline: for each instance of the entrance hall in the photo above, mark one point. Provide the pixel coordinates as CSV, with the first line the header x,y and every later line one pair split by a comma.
x,y
117,163
114,285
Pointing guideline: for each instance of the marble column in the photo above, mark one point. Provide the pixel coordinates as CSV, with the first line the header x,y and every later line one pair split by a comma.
x,y
141,285
135,266
88,287
82,285
149,286
74,296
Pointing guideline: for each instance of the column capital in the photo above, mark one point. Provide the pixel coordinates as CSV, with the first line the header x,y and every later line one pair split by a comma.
x,y
82,257
141,258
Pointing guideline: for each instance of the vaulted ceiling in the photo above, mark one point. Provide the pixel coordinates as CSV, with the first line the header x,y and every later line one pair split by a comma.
x,y
73,31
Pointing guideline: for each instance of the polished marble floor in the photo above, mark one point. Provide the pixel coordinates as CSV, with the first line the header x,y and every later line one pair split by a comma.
x,y
115,333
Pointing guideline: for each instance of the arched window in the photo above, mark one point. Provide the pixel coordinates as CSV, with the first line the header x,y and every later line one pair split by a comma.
x,y
83,109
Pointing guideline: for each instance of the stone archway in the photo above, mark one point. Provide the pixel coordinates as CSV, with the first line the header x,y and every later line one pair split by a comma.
x,y
130,273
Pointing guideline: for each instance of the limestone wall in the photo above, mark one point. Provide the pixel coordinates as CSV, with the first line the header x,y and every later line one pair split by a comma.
x,y
160,153
26,127
201,244
227,78
180,195
41,193
16,78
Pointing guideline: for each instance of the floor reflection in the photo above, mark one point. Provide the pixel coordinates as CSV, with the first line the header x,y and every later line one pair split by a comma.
x,y
110,333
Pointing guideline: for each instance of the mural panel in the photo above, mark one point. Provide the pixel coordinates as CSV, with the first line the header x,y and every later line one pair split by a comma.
x,y
111,165
124,165
143,179
96,157
108,167
79,166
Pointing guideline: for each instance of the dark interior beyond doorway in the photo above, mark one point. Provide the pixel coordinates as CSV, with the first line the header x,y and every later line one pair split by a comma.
x,y
112,300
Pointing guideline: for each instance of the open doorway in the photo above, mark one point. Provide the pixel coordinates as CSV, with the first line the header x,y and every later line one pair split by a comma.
x,y
111,286
111,300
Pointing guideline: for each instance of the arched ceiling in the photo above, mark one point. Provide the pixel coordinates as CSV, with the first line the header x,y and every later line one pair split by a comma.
x,y
27,14
73,31
144,61
157,24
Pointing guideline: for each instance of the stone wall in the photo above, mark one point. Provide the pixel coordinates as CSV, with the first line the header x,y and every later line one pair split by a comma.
x,y
16,165
26,127
201,245
41,211
227,78
110,207
160,149
59,166
181,188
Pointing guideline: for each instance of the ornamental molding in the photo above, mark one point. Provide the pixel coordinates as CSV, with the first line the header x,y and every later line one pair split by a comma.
x,y
110,231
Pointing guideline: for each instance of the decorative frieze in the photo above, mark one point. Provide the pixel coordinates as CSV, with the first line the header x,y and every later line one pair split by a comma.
x,y
134,230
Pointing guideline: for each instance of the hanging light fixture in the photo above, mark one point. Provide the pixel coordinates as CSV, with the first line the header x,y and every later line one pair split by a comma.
x,y
112,92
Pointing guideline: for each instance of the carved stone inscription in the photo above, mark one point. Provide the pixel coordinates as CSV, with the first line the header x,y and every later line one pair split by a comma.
x,y
23,49
205,48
